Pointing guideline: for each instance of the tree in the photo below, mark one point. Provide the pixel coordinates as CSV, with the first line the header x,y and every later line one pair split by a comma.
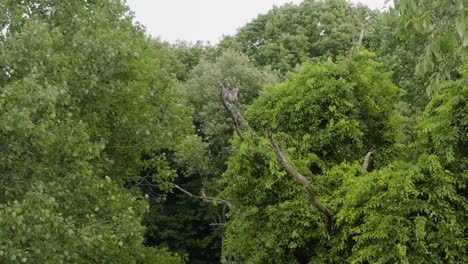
x,y
401,210
414,211
442,25
401,213
212,122
185,223
289,35
83,99
325,115
398,53
190,55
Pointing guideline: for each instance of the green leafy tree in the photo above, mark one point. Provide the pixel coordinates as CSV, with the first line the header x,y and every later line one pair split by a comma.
x,y
403,213
82,100
183,222
211,120
289,35
417,212
324,115
191,54
413,212
399,53
403,210
442,24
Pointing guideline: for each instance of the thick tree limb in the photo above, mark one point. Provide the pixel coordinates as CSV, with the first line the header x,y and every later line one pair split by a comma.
x,y
357,45
327,213
353,35
366,162
363,31
203,197
229,100
228,109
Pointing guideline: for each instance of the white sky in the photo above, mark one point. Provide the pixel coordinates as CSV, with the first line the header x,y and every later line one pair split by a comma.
x,y
206,20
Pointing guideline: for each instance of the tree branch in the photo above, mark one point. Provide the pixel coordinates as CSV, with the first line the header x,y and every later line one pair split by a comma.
x,y
353,35
366,162
357,45
327,213
363,30
203,197
229,104
229,100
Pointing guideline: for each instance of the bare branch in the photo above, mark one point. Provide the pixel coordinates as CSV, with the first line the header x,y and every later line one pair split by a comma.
x,y
366,162
217,224
328,214
229,100
363,30
204,198
240,123
353,34
357,45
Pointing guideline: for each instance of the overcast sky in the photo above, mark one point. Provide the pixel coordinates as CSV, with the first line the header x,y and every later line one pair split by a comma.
x,y
206,20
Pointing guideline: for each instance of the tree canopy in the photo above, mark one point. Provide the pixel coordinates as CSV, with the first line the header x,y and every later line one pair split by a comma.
x,y
323,132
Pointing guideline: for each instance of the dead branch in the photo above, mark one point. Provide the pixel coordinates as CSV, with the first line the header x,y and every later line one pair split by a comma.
x,y
229,99
353,34
203,197
218,224
363,31
240,124
366,162
327,213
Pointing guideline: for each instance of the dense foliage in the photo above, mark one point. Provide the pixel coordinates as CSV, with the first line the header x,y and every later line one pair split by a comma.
x,y
116,148
288,35
82,99
326,114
